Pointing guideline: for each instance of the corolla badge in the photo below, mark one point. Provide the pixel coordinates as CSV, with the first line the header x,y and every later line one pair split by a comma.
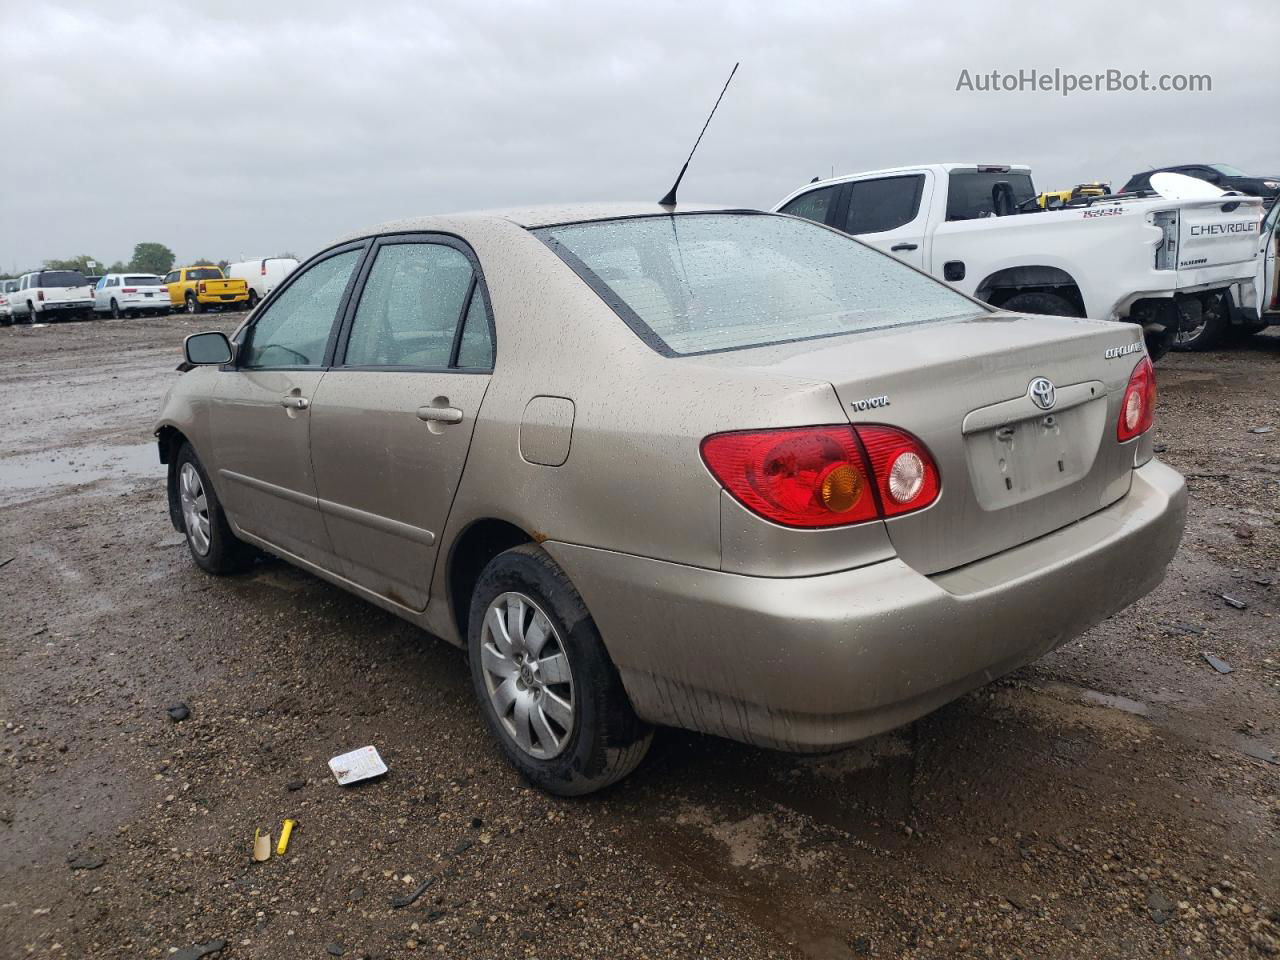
x,y
1042,393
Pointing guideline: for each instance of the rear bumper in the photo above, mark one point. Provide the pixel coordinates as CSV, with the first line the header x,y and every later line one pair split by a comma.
x,y
814,663
63,306
212,299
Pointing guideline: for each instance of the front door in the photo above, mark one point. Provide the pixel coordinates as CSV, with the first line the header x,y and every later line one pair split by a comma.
x,y
261,412
391,422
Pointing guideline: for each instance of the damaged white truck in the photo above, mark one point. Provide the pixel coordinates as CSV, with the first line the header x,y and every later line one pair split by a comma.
x,y
1183,269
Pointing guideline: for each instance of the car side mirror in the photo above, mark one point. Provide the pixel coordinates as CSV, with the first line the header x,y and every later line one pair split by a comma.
x,y
207,349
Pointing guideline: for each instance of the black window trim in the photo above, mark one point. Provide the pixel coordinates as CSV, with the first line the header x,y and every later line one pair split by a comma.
x,y
348,312
242,335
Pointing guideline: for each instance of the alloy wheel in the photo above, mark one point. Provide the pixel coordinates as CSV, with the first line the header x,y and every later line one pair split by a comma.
x,y
195,508
527,675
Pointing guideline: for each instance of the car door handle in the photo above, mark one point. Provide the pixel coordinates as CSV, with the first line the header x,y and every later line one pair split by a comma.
x,y
903,246
295,403
440,414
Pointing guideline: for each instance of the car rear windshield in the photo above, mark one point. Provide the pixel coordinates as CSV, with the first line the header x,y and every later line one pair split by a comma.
x,y
971,192
141,281
207,273
61,278
697,283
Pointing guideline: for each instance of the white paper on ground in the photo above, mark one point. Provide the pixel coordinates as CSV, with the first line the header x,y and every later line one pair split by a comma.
x,y
357,765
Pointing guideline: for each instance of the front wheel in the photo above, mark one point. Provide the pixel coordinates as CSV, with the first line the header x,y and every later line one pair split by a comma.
x,y
550,695
193,305
213,546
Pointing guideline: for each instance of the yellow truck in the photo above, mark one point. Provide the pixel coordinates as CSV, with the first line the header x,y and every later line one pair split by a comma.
x,y
197,289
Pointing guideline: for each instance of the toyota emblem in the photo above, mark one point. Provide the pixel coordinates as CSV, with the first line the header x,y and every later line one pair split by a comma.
x,y
1042,393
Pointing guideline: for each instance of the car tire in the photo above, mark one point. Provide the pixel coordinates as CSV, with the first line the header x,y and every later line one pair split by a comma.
x,y
598,739
193,305
253,299
212,545
31,313
1035,301
1215,322
115,310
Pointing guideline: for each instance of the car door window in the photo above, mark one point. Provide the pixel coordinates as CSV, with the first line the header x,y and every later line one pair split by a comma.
x,y
475,346
884,204
294,330
814,205
410,308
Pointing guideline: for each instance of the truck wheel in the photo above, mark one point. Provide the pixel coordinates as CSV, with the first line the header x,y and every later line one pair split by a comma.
x,y
1205,329
194,305
1037,302
550,695
253,299
31,313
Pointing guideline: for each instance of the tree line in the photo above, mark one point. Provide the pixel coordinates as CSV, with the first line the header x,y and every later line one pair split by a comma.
x,y
153,258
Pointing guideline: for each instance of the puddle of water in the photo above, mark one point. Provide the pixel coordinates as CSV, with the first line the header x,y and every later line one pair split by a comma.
x,y
31,475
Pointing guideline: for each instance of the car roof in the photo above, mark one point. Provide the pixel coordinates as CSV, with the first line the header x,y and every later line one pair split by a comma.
x,y
536,216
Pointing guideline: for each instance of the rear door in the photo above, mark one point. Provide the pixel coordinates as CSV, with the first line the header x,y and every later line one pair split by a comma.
x,y
392,421
1268,281
261,415
890,213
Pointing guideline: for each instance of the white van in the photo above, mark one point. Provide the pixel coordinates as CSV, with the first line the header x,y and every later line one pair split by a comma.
x,y
262,275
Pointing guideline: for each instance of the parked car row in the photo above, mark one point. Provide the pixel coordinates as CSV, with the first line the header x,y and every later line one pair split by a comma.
x,y
45,295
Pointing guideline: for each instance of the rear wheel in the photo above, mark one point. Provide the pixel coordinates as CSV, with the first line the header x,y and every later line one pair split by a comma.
x,y
1038,302
1203,324
213,546
550,695
193,305
253,299
115,309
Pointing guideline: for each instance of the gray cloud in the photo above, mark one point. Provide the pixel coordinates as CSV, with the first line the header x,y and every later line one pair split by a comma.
x,y
224,129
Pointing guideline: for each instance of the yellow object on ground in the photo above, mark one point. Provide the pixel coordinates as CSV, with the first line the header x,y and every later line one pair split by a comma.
x,y
284,837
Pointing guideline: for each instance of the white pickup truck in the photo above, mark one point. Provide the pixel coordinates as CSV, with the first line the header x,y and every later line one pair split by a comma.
x,y
1166,264
51,295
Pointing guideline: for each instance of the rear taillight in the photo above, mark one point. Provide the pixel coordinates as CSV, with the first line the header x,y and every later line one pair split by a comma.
x,y
200,287
1138,409
264,268
823,476
39,294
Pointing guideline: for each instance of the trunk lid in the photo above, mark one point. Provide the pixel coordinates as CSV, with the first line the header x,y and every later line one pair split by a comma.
x,y
222,286
1011,471
63,294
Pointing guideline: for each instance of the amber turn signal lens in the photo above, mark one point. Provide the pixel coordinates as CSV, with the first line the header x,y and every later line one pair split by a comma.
x,y
841,488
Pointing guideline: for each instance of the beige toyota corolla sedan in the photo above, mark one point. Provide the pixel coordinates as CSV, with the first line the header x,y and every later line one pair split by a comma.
x,y
717,469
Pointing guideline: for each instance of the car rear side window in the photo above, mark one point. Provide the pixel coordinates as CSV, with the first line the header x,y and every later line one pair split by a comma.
x,y
61,278
205,273
698,283
814,205
884,204
410,308
294,330
475,346
971,192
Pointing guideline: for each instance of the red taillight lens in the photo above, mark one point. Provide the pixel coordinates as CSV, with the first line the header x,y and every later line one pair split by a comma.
x,y
1138,408
200,287
264,268
906,475
818,476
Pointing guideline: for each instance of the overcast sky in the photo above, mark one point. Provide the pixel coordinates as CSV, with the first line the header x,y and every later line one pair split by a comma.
x,y
225,129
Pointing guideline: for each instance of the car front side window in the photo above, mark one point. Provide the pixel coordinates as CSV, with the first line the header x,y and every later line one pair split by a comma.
x,y
294,330
884,204
410,308
814,205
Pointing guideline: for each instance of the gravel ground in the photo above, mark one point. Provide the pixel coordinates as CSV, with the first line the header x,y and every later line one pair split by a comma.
x,y
1117,799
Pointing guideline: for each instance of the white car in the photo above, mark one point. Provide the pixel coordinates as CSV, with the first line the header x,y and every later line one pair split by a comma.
x,y
7,289
46,295
1169,265
126,294
262,274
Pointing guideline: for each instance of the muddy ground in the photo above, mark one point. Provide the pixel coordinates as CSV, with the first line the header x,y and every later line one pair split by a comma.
x,y
1117,799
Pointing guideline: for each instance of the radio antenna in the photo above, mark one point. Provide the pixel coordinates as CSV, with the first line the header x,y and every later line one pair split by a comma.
x,y
670,199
